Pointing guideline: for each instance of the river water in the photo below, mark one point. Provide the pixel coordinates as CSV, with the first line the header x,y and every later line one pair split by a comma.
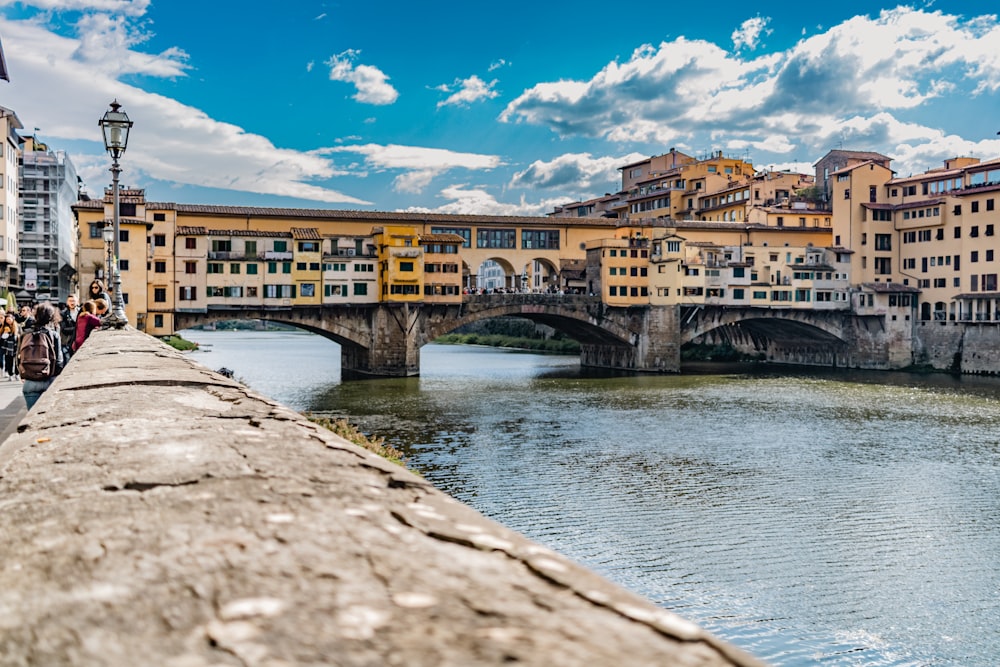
x,y
810,517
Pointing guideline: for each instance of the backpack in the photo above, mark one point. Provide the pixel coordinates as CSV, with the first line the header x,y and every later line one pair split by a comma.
x,y
37,356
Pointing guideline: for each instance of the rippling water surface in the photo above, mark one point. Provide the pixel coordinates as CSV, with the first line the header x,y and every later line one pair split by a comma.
x,y
809,517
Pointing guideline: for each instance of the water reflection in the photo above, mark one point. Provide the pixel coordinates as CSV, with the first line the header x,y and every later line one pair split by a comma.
x,y
812,517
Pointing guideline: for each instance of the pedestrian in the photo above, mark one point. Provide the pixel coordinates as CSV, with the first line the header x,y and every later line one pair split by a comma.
x,y
46,322
68,313
97,291
101,307
8,346
85,323
25,317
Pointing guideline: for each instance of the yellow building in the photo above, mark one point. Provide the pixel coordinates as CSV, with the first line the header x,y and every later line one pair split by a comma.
x,y
307,267
400,264
618,269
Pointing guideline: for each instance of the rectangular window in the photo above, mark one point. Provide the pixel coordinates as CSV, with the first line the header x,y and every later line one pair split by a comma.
x,y
215,267
159,217
281,246
308,246
883,241
160,294
975,207
188,293
250,248
123,264
159,267
300,266
96,230
158,321
989,204
234,268
159,240
540,239
272,267
974,231
308,289
252,269
883,266
495,238
190,243
222,246
286,267
190,267
360,289
406,266
974,256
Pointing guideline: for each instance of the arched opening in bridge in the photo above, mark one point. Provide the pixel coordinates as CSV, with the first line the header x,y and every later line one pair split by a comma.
x,y
493,275
540,275
293,361
773,339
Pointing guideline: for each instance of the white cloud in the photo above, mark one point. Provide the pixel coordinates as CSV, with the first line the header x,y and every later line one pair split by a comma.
x,y
475,200
420,165
371,83
467,91
574,172
171,141
497,64
126,7
749,33
696,92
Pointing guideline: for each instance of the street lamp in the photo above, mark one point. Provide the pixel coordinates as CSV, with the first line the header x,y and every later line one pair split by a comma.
x,y
115,125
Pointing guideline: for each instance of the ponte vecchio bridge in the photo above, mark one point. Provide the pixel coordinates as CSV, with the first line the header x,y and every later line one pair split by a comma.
x,y
383,339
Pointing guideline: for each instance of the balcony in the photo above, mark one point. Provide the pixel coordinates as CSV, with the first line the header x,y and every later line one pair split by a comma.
x,y
272,254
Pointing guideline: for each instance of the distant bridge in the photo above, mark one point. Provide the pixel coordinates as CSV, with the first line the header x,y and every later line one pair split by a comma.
x,y
385,339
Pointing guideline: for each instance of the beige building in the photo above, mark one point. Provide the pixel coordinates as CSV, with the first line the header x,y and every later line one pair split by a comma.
x,y
9,151
936,232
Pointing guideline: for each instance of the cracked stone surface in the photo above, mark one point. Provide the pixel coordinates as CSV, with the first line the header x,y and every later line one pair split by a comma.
x,y
154,512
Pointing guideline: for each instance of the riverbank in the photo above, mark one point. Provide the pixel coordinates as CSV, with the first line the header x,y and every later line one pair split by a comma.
x,y
546,345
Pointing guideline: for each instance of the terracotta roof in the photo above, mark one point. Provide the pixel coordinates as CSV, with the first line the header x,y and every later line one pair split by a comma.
x,y
870,156
887,288
852,167
440,238
919,204
356,215
978,295
305,234
252,233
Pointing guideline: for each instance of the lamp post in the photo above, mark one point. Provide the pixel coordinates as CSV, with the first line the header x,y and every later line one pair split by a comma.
x,y
115,125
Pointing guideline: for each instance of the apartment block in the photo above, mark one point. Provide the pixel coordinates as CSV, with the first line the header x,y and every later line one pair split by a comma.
x,y
9,151
48,233
935,232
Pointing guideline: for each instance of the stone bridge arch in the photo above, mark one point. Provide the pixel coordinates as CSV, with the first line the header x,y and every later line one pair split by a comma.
x,y
788,336
341,326
584,319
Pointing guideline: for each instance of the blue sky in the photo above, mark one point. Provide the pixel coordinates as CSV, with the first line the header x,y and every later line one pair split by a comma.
x,y
490,108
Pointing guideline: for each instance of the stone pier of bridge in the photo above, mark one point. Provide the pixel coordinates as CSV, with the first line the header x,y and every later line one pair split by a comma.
x,y
154,512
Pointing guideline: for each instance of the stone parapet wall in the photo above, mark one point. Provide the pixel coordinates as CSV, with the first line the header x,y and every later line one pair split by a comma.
x,y
156,513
